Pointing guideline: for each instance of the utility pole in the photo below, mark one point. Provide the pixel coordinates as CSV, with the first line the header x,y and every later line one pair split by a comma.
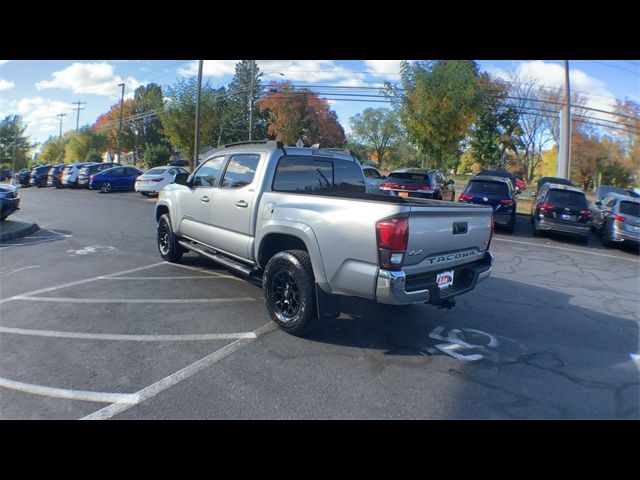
x,y
564,149
120,131
13,162
61,116
196,136
253,64
78,108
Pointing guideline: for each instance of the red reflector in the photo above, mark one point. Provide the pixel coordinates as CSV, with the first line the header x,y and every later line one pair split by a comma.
x,y
506,202
619,218
546,206
587,213
465,197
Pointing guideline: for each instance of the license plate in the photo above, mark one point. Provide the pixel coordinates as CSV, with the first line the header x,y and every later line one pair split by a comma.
x,y
444,279
571,218
403,194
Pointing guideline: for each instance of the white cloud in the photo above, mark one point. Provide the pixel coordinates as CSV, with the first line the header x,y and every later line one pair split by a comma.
x,y
552,75
39,114
210,68
6,84
383,68
90,78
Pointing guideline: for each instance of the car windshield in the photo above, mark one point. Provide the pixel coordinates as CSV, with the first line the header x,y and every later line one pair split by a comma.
x,y
566,198
630,208
421,177
479,187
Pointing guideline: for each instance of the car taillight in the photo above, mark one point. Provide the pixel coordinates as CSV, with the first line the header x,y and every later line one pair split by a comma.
x,y
392,235
91,178
465,197
506,202
490,235
586,213
619,218
388,185
546,206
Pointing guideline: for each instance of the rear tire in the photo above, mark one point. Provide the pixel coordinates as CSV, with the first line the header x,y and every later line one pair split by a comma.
x,y
288,285
168,246
105,187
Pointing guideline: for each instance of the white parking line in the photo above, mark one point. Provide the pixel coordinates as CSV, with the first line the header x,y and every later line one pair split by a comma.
x,y
563,248
175,378
208,272
133,300
127,338
188,277
82,395
16,270
79,282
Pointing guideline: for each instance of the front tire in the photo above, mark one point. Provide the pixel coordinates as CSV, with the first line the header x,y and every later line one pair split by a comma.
x,y
168,246
288,286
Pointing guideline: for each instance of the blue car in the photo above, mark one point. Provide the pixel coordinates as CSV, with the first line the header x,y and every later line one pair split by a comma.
x,y
117,178
497,192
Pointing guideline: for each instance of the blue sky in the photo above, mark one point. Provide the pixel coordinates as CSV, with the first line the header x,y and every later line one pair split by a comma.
x,y
39,90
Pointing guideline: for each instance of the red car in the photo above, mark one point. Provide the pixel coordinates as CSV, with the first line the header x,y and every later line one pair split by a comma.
x,y
521,185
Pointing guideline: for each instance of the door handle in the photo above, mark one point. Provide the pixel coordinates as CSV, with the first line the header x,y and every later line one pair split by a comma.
x,y
204,199
242,204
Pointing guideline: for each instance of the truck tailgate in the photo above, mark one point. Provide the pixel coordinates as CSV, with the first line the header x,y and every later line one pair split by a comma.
x,y
446,236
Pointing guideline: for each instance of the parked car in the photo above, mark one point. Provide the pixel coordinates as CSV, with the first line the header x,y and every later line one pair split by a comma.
x,y
562,209
515,181
499,193
155,179
55,175
5,174
23,177
39,176
604,190
419,183
617,219
116,178
85,172
70,173
301,220
372,179
9,201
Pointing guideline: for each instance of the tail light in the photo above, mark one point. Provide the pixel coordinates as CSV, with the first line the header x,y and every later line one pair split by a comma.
x,y
388,186
91,178
392,235
506,202
619,218
465,197
586,213
545,206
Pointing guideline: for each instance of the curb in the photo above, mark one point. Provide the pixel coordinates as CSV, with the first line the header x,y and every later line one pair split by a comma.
x,y
26,230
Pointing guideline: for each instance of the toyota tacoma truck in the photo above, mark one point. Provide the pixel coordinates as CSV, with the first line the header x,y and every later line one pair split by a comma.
x,y
300,220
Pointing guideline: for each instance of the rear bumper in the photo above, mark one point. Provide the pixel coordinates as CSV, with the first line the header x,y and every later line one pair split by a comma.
x,y
554,226
395,288
9,205
620,235
148,188
504,219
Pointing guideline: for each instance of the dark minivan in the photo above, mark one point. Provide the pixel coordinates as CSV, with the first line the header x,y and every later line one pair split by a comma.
x,y
85,173
497,192
562,209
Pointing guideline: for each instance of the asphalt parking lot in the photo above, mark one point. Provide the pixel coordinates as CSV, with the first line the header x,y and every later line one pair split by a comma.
x,y
93,325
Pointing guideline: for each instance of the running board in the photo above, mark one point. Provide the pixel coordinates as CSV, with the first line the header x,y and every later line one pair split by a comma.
x,y
216,257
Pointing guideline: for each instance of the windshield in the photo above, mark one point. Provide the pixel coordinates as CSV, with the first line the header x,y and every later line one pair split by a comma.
x,y
478,187
566,198
630,208
408,176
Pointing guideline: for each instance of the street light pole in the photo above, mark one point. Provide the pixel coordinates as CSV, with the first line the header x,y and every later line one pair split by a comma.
x,y
120,130
78,115
253,64
196,142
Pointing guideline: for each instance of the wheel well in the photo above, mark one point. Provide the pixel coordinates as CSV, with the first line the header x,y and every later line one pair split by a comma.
x,y
277,242
161,210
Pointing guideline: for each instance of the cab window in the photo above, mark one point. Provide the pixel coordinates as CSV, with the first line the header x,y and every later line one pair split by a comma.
x,y
208,172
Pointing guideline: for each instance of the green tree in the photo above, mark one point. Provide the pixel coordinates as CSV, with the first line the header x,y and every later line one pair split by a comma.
x,y
13,139
148,104
82,143
492,134
156,155
379,129
178,117
244,90
440,102
53,150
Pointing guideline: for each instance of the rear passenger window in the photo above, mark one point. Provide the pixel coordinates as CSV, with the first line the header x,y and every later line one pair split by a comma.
x,y
348,177
240,171
303,174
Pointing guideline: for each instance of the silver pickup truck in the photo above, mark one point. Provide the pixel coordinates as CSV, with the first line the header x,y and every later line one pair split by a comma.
x,y
301,220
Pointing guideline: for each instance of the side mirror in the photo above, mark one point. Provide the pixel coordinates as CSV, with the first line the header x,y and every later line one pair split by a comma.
x,y
518,191
181,179
598,203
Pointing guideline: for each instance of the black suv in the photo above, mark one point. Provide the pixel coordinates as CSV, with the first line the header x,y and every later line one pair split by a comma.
x,y
420,183
563,209
39,176
84,176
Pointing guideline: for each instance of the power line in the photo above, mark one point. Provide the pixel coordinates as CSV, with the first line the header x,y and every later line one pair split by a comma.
x,y
617,66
